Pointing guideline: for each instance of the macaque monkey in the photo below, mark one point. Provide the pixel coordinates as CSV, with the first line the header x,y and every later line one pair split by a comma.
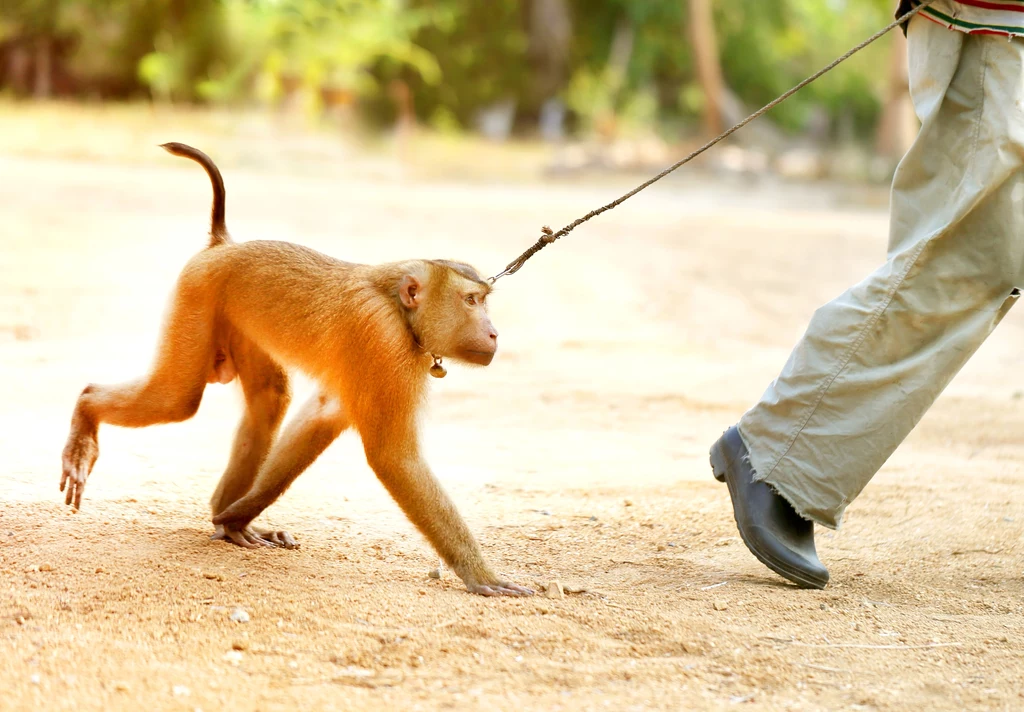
x,y
367,335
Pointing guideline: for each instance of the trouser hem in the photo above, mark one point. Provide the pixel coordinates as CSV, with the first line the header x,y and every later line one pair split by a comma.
x,y
800,503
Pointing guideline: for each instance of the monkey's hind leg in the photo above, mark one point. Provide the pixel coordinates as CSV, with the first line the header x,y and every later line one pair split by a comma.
x,y
170,393
267,395
320,421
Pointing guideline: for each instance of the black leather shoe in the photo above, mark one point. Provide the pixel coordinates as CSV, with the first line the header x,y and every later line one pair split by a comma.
x,y
780,538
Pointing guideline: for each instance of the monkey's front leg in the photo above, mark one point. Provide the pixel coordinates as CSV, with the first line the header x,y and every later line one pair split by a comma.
x,y
412,485
79,455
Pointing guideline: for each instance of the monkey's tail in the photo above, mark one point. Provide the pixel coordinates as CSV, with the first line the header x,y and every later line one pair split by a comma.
x,y
218,229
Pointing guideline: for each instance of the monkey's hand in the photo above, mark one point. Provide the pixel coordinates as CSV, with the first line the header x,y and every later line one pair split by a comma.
x,y
251,537
497,587
79,456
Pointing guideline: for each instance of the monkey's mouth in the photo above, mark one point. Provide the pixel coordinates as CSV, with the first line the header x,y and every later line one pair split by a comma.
x,y
480,358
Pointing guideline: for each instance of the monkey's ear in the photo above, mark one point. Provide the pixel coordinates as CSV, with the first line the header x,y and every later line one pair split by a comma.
x,y
410,291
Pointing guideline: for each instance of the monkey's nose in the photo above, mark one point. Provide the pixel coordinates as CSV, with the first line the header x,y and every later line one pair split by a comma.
x,y
493,334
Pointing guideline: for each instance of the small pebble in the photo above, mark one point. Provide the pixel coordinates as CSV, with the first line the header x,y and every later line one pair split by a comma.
x,y
32,569
180,691
238,615
824,606
661,547
555,590
45,567
423,592
36,679
721,605
212,576
99,570
239,645
435,574
628,503
293,665
121,687
593,518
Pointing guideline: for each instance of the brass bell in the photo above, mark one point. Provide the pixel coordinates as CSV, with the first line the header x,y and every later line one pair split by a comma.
x,y
437,370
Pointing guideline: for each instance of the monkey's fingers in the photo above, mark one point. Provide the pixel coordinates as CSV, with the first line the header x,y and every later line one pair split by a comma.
x,y
72,483
279,538
245,538
500,589
77,462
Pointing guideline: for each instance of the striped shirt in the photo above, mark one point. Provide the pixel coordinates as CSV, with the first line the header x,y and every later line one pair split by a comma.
x,y
991,17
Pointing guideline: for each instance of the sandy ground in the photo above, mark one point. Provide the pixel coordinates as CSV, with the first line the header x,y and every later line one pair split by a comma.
x,y
579,455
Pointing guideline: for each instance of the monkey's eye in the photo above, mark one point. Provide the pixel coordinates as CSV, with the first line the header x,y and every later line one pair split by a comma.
x,y
471,300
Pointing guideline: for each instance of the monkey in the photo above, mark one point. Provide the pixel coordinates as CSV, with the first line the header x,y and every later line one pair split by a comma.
x,y
365,334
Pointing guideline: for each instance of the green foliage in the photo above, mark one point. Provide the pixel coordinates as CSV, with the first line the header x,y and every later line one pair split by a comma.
x,y
628,64
767,47
481,53
335,43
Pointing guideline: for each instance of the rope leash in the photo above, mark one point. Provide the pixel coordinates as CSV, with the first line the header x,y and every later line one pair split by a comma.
x,y
550,236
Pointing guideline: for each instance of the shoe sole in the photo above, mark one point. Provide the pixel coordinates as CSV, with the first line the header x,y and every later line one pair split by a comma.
x,y
719,466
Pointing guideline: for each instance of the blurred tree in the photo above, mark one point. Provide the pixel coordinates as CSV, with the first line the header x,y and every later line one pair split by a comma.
x,y
709,68
481,50
550,44
630,61
621,66
101,46
768,47
898,124
329,46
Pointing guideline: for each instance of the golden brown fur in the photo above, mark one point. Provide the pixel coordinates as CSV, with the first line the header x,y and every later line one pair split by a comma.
x,y
366,334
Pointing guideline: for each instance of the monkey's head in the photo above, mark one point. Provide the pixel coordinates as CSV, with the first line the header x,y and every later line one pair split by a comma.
x,y
446,305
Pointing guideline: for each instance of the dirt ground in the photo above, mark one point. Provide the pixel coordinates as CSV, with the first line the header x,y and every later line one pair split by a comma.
x,y
578,456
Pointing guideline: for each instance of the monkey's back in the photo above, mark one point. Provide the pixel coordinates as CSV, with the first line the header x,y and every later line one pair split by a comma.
x,y
306,309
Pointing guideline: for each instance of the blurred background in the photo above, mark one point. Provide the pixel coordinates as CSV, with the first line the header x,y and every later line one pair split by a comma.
x,y
583,84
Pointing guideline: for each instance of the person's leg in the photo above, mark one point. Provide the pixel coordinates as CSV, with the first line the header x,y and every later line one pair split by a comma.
x,y
873,360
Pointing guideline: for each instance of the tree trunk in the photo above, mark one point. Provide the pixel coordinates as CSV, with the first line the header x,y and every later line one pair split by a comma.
x,y
43,83
549,27
709,69
898,125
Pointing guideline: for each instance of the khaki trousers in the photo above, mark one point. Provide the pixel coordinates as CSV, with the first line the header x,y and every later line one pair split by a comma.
x,y
873,360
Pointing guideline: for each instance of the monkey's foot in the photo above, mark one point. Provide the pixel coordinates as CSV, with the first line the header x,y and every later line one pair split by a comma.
x,y
254,538
498,588
79,456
